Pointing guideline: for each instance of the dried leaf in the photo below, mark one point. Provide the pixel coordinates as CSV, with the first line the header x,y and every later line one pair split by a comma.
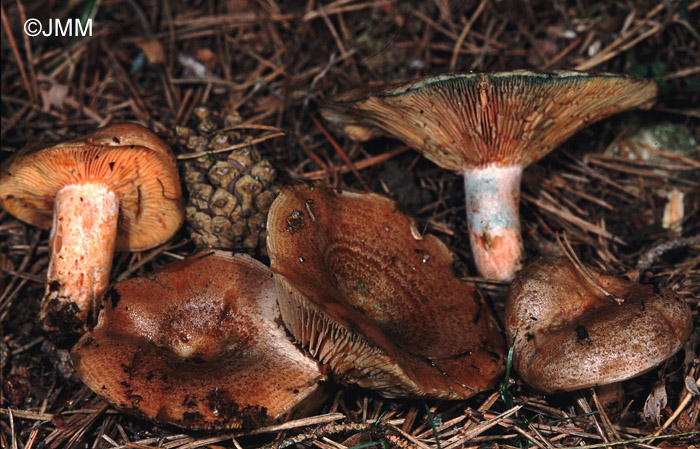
x,y
154,51
691,386
53,96
655,402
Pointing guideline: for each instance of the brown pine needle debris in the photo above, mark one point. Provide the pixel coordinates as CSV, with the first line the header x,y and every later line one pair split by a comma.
x,y
624,205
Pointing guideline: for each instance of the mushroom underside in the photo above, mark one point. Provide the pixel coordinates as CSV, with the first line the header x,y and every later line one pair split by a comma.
x,y
357,286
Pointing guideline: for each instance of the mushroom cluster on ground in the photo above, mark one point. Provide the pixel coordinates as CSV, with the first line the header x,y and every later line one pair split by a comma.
x,y
354,292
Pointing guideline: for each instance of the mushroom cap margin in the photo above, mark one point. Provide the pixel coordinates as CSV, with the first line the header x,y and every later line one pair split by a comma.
x,y
470,120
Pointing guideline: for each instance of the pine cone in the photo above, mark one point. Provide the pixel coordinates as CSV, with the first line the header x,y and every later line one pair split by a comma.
x,y
229,193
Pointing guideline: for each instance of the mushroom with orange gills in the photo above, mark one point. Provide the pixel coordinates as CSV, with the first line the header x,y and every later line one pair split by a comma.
x,y
488,127
198,344
574,326
379,304
117,187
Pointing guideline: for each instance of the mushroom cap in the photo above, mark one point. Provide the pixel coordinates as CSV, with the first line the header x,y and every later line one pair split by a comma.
x,y
567,334
137,165
377,302
198,344
466,120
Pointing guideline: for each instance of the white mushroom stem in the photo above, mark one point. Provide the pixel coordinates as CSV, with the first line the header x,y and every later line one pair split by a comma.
x,y
81,245
493,196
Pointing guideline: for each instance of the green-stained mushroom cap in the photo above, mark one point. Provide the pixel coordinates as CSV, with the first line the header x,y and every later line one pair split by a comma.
x,y
488,126
379,304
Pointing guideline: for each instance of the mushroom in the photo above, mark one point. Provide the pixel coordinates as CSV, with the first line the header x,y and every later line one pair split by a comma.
x,y
488,126
568,332
117,186
378,303
199,344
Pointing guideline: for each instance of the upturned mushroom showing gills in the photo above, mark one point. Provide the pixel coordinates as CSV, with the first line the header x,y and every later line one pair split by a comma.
x,y
198,344
375,301
568,332
488,126
116,187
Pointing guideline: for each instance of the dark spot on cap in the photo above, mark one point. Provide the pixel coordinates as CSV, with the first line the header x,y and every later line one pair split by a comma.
x,y
192,417
190,401
111,166
581,333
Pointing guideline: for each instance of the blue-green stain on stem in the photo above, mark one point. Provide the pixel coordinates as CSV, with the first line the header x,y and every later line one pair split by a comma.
x,y
492,198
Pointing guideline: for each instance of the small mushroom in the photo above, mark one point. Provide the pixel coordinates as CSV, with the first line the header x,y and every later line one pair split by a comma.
x,y
117,186
199,344
378,303
568,332
488,127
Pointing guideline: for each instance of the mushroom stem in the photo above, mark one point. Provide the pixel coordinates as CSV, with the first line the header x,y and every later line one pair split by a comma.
x,y
493,195
81,245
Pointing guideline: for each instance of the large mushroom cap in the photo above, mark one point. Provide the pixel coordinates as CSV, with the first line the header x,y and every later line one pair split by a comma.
x,y
568,334
127,158
467,120
488,126
376,301
198,344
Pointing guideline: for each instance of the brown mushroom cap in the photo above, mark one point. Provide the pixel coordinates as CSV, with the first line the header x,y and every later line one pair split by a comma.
x,y
376,301
568,334
198,344
467,120
488,126
128,158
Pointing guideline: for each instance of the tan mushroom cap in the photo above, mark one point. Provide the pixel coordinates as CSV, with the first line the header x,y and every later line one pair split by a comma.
x,y
467,120
377,302
198,344
568,334
488,127
128,158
